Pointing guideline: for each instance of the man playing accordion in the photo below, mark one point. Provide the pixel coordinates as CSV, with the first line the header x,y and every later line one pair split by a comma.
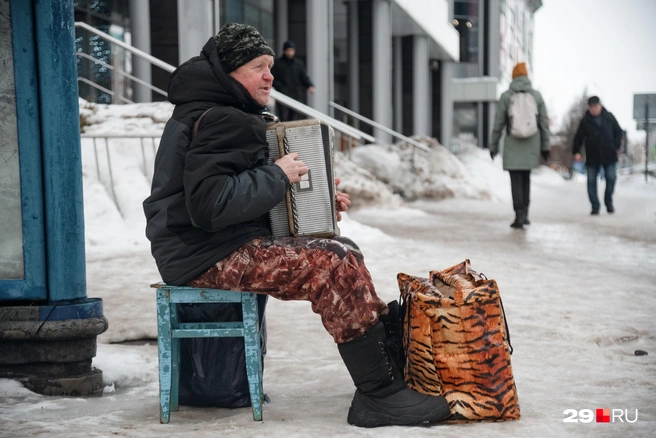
x,y
207,220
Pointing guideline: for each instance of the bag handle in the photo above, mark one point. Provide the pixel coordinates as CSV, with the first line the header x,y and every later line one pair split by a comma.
x,y
194,129
458,296
505,320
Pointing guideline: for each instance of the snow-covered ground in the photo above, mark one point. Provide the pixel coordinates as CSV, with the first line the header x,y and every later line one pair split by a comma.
x,y
579,294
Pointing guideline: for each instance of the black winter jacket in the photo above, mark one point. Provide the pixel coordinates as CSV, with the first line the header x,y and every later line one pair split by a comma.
x,y
601,142
289,77
210,195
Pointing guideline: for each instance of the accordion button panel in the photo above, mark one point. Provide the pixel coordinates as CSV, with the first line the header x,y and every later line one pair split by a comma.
x,y
309,205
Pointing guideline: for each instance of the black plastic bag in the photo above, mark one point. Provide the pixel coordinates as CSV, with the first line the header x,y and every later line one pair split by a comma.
x,y
213,370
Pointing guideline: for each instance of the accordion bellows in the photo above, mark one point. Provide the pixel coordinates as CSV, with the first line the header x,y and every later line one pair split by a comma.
x,y
309,207
457,345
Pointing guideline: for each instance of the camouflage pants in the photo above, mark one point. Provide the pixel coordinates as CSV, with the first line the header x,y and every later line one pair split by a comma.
x,y
330,273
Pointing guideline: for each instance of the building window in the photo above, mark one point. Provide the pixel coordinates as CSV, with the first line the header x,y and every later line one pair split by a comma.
x,y
109,16
465,122
256,13
466,20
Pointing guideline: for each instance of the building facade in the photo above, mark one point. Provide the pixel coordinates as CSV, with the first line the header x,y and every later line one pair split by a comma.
x,y
494,36
420,67
379,58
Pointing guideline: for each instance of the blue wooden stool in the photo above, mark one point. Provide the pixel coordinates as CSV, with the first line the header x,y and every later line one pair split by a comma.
x,y
170,331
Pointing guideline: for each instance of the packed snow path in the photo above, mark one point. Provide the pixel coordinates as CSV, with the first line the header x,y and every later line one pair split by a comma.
x,y
579,294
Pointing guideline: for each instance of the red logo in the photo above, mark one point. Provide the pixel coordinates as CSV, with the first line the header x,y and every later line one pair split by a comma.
x,y
603,415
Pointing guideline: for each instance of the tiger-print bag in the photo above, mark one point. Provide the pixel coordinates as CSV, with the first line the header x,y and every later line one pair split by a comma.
x,y
457,344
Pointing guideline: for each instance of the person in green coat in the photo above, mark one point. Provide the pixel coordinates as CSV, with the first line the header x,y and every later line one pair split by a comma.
x,y
524,142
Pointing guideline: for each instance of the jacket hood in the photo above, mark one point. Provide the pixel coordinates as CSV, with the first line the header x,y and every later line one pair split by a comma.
x,y
521,84
202,79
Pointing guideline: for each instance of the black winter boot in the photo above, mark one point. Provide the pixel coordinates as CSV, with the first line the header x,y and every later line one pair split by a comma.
x,y
526,221
519,219
382,397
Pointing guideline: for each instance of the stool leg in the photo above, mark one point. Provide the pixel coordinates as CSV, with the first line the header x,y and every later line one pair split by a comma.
x,y
253,352
175,360
164,353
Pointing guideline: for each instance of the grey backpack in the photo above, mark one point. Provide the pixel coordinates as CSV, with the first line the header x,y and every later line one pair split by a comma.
x,y
522,115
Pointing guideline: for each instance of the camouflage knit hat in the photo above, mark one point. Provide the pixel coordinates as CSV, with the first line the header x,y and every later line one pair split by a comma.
x,y
239,44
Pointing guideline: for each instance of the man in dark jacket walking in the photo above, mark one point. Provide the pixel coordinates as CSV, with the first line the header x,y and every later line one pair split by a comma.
x,y
290,79
602,137
208,225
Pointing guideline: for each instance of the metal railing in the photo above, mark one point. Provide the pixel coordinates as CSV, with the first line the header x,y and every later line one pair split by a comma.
x,y
311,112
103,139
122,73
345,134
117,59
141,54
103,89
380,127
341,127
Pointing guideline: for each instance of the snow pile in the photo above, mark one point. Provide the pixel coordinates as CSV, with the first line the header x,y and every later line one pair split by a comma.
x,y
133,160
362,186
414,173
13,388
546,176
138,118
364,233
373,175
125,366
116,179
633,178
490,174
117,171
484,171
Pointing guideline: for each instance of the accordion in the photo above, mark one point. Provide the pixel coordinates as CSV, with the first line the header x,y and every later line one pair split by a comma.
x,y
309,205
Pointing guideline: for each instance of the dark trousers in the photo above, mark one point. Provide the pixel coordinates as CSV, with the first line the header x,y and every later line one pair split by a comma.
x,y
610,175
520,184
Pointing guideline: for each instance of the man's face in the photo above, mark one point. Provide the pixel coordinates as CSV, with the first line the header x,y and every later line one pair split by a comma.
x,y
256,77
290,53
595,109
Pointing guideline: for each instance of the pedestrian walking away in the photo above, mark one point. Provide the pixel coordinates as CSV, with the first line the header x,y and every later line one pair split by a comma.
x,y
601,136
291,79
523,114
207,221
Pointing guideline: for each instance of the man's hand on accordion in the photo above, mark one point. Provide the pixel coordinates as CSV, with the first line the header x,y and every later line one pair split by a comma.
x,y
342,201
292,166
